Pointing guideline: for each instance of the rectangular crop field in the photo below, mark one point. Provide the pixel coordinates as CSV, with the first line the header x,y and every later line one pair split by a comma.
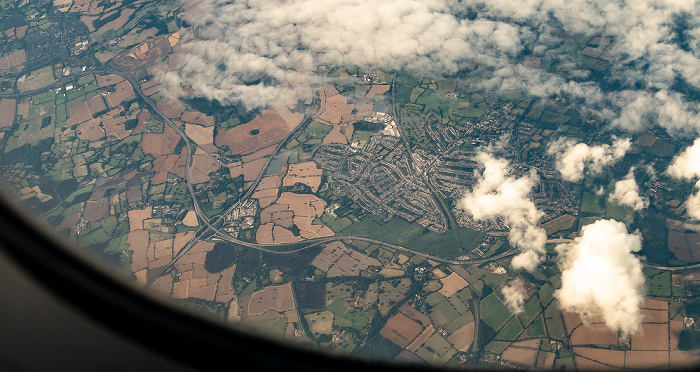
x,y
537,328
336,224
563,222
590,203
494,312
619,212
497,347
658,282
555,328
532,308
546,293
510,331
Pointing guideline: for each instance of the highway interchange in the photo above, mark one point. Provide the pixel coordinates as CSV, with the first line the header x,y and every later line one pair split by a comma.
x,y
210,225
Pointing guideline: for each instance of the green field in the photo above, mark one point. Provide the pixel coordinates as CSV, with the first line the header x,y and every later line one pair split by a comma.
x,y
413,126
380,348
61,115
590,203
438,344
555,328
336,224
494,312
450,244
537,328
415,93
458,304
344,314
443,314
93,237
619,212
554,118
519,111
430,100
497,347
465,295
248,288
531,309
564,361
117,244
536,111
498,247
315,130
30,132
41,98
509,95
361,137
546,292
436,349
473,110
555,325
658,282
435,298
677,291
405,82
676,311
80,195
456,324
86,80
660,148
510,331
273,327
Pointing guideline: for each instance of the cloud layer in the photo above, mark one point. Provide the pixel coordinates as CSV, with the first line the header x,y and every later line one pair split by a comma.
x,y
601,276
498,194
656,45
573,159
276,42
258,51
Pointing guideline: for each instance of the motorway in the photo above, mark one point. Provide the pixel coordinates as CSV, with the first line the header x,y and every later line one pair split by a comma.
x,y
276,248
209,225
281,248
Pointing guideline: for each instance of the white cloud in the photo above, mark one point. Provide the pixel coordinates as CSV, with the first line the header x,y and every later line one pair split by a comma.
x,y
686,165
514,297
601,276
574,158
647,55
600,191
670,110
499,195
273,42
692,205
282,41
627,193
